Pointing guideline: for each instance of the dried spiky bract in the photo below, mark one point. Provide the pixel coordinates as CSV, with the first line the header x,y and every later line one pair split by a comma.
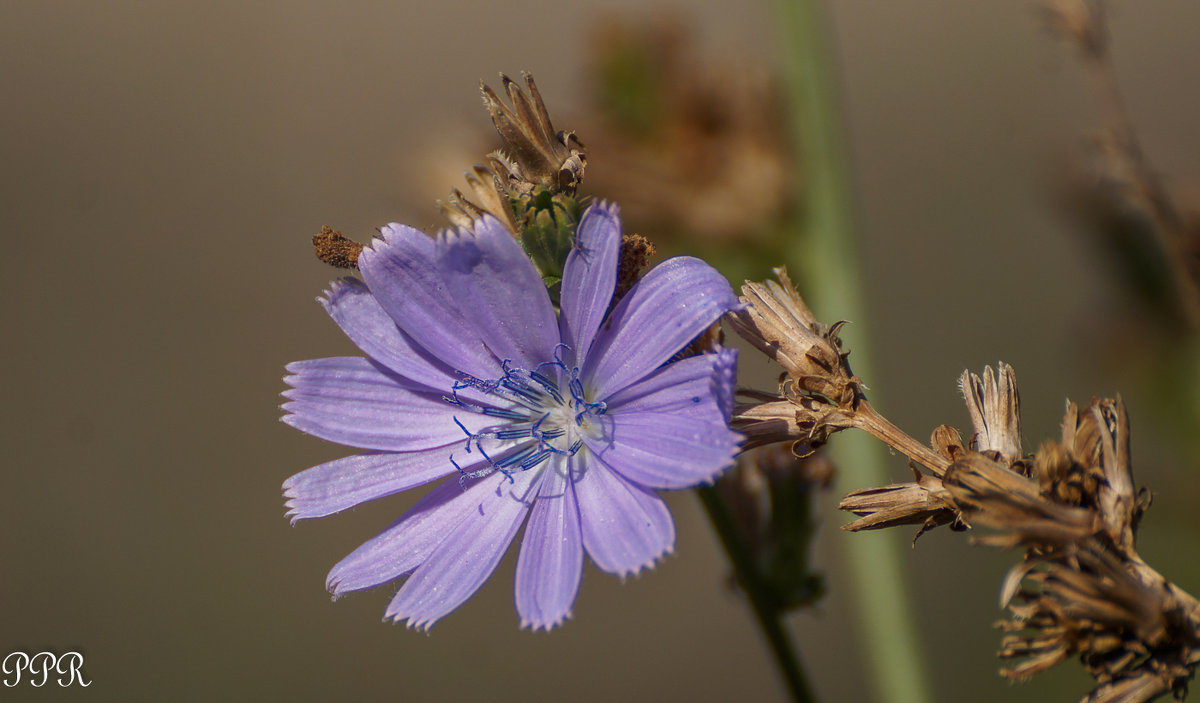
x,y
489,197
534,154
924,502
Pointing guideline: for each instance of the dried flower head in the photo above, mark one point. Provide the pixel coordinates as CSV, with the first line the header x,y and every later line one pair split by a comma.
x,y
821,390
924,501
534,155
995,410
693,148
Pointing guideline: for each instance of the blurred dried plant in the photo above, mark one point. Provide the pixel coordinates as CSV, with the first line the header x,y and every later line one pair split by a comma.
x,y
770,493
1081,589
1151,242
692,149
1119,192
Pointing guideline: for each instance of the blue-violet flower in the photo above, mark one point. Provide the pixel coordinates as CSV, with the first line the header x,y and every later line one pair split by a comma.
x,y
571,422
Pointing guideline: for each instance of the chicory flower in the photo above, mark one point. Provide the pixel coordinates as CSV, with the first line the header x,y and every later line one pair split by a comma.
x,y
566,423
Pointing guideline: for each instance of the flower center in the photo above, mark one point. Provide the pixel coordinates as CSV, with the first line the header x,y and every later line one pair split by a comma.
x,y
539,414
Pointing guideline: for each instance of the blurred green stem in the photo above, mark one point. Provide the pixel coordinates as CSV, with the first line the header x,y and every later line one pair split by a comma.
x,y
823,251
766,606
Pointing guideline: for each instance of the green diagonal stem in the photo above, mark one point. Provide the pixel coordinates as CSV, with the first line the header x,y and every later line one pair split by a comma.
x,y
823,252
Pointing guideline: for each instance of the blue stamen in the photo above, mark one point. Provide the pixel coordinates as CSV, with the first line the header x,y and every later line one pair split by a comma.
x,y
542,455
549,385
502,413
521,392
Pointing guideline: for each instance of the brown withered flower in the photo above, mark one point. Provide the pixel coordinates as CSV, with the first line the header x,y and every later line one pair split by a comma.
x,y
923,501
1081,590
818,392
534,155
693,148
995,410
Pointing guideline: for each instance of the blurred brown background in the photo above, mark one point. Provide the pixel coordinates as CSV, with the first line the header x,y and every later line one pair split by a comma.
x,y
163,167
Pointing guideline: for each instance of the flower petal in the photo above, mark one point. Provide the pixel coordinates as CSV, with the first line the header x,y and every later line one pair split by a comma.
x,y
500,292
469,553
344,483
356,310
551,561
625,527
409,541
589,277
401,270
351,401
666,450
665,310
683,385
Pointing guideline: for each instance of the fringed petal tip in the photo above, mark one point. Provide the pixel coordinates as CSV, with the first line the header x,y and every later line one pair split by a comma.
x,y
605,208
411,623
546,626
293,513
339,287
640,569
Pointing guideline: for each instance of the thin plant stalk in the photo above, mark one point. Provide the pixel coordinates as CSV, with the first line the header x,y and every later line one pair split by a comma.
x,y
767,611
824,251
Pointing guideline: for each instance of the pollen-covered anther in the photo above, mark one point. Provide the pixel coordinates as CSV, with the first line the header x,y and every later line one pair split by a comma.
x,y
336,249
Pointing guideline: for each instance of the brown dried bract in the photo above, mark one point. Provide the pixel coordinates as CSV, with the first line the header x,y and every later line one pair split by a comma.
x,y
335,249
488,197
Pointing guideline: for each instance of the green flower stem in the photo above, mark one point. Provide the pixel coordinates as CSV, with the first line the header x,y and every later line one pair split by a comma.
x,y
762,600
823,251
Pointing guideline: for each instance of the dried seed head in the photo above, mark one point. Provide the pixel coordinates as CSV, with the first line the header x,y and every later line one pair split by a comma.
x,y
1098,439
1128,627
534,154
991,494
770,419
995,409
947,442
694,148
779,324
